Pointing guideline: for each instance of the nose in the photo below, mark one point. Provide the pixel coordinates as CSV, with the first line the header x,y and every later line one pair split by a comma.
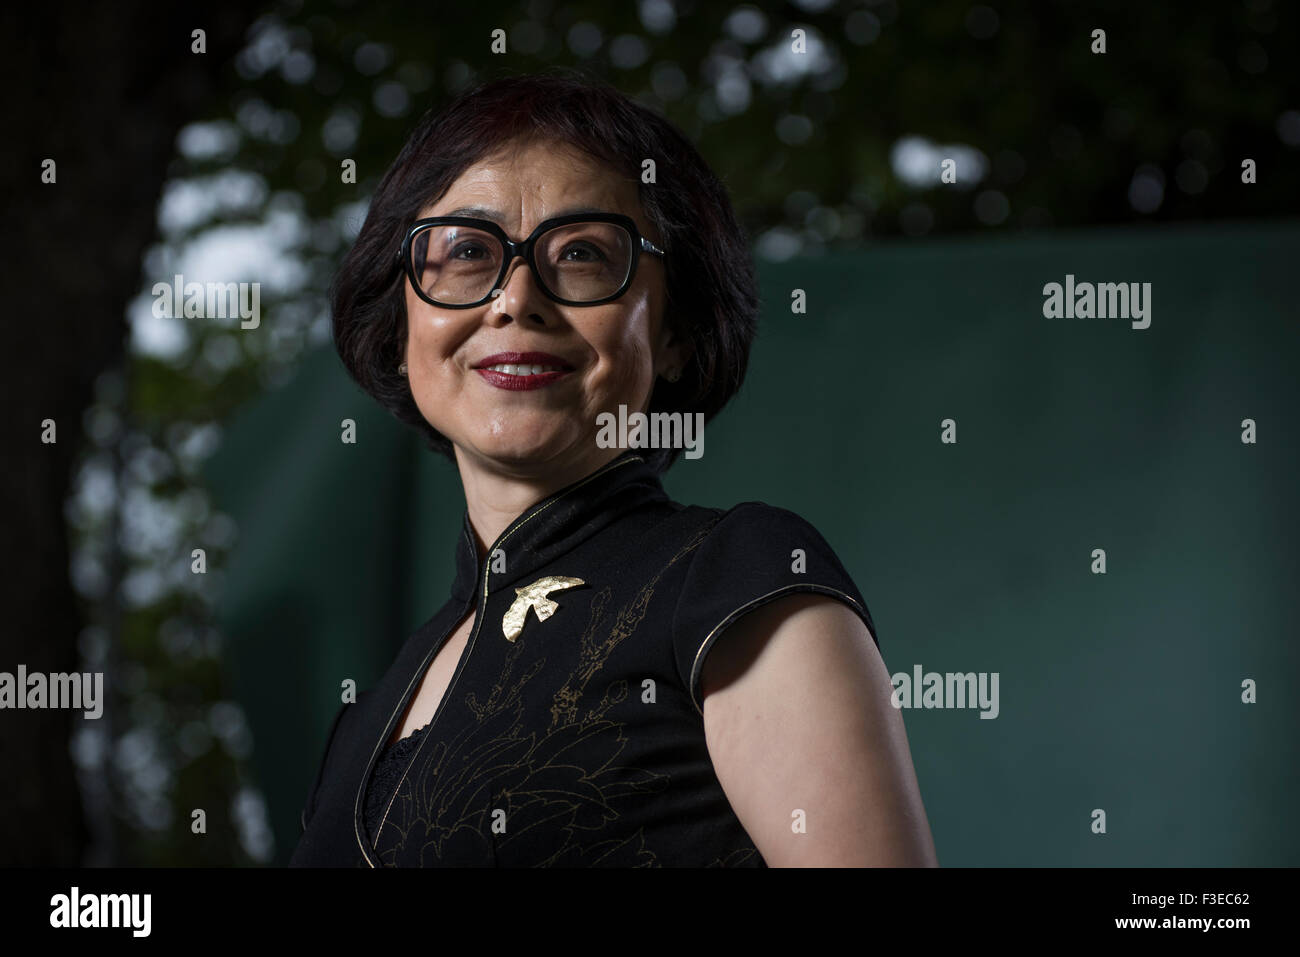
x,y
522,298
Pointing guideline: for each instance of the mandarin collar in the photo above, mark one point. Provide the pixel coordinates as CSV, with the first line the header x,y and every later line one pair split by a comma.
x,y
557,524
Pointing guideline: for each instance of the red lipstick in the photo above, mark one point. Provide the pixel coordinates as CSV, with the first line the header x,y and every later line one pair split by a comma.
x,y
517,382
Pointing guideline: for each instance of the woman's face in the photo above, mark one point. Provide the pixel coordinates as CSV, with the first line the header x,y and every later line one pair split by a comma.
x,y
614,351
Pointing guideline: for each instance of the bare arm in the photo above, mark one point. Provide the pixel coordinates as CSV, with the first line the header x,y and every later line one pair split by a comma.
x,y
797,717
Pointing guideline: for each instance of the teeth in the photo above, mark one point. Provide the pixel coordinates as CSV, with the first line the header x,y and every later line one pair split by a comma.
x,y
523,369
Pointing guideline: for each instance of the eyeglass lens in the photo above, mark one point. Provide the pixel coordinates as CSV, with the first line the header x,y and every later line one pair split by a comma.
x,y
581,262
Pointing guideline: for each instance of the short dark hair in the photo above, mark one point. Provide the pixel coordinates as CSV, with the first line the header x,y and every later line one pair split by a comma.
x,y
711,297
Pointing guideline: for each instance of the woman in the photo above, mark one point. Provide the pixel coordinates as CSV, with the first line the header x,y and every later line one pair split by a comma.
x,y
617,679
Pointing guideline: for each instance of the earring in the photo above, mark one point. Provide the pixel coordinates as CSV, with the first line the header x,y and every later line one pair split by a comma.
x,y
402,369
673,375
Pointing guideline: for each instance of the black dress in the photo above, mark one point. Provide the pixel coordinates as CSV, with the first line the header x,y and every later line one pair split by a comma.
x,y
581,741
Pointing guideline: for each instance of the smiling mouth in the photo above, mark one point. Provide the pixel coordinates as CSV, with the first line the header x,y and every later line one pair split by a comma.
x,y
521,377
521,369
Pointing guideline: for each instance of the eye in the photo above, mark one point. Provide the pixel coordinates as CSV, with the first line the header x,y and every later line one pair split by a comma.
x,y
471,248
582,252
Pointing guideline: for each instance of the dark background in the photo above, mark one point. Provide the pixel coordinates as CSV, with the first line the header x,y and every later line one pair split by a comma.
x,y
1119,691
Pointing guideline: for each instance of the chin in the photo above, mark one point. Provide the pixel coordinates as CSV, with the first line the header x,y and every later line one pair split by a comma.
x,y
515,449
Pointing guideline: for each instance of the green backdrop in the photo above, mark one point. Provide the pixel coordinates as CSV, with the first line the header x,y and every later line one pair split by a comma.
x,y
1119,691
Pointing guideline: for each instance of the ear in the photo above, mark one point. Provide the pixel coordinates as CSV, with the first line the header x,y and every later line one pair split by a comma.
x,y
672,351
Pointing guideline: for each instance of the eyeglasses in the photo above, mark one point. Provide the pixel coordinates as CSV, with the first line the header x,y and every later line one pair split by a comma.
x,y
580,260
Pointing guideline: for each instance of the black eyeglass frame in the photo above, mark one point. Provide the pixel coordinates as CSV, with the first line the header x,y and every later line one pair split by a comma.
x,y
526,249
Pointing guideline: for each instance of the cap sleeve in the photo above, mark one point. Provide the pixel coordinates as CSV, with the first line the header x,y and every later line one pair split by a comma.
x,y
754,554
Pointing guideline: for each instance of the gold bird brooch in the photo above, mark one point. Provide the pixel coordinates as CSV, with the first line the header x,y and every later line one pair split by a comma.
x,y
534,596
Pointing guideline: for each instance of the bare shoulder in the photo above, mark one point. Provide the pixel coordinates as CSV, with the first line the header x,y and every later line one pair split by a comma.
x,y
810,752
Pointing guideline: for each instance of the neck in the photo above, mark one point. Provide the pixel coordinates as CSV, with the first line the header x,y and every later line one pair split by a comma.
x,y
497,494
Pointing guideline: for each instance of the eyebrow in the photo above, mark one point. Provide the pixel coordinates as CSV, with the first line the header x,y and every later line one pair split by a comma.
x,y
482,212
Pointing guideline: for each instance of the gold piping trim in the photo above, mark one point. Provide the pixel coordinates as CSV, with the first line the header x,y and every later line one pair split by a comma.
x,y
709,639
459,664
469,648
365,778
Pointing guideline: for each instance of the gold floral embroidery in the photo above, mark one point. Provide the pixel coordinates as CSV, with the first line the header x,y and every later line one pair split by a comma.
x,y
502,760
